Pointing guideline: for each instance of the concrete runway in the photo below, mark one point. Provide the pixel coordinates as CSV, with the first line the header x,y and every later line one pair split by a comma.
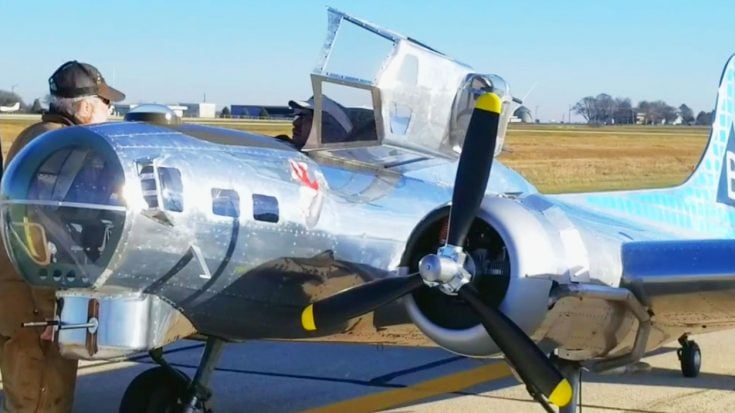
x,y
329,377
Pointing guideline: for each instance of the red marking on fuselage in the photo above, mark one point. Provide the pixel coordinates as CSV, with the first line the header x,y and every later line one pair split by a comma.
x,y
302,173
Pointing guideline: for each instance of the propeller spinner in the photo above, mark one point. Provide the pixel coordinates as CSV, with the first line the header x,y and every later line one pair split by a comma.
x,y
445,270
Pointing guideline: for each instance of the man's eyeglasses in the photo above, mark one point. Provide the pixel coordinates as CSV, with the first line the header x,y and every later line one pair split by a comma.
x,y
108,104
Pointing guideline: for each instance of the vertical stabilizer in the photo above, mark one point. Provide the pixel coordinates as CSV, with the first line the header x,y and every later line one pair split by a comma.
x,y
714,177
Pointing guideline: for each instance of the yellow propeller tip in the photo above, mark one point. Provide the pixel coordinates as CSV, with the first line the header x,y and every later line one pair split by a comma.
x,y
307,318
489,102
562,394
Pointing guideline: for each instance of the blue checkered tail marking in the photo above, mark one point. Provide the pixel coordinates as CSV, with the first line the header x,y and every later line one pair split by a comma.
x,y
714,177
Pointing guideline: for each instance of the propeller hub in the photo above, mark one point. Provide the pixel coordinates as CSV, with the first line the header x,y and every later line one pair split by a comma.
x,y
430,268
445,269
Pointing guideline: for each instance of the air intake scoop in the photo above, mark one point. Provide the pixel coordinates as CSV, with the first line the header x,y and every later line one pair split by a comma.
x,y
153,113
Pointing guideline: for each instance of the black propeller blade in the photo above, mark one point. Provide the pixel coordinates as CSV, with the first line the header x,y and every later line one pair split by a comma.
x,y
445,270
357,301
473,170
531,364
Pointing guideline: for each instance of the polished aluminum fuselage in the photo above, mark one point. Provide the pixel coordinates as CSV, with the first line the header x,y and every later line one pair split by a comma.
x,y
300,230
238,232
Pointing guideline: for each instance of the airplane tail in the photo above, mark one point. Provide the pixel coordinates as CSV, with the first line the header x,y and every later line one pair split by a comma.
x,y
714,176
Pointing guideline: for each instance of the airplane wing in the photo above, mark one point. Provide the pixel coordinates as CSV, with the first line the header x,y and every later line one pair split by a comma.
x,y
12,108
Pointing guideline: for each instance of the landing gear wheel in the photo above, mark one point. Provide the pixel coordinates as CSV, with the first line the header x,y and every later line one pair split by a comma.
x,y
155,390
690,358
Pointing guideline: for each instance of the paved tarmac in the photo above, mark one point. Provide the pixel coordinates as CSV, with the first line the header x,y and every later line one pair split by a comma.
x,y
330,377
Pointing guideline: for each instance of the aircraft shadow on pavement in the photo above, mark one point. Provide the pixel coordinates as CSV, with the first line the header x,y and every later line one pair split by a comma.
x,y
100,386
666,378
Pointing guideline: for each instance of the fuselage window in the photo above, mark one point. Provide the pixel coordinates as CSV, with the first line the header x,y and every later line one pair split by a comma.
x,y
225,202
265,208
172,189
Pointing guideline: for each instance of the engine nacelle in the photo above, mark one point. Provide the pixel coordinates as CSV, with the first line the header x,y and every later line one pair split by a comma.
x,y
513,259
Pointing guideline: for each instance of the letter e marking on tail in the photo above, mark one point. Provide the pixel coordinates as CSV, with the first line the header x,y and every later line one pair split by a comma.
x,y
726,190
730,170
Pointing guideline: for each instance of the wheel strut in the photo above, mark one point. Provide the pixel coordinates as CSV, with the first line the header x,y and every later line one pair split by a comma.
x,y
157,356
572,370
199,392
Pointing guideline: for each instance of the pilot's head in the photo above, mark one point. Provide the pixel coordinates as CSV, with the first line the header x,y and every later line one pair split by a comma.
x,y
336,125
79,91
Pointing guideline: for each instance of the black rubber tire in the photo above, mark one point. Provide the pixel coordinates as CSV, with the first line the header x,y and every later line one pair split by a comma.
x,y
690,358
154,390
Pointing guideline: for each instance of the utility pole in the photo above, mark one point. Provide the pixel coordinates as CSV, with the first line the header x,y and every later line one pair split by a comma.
x,y
569,114
12,88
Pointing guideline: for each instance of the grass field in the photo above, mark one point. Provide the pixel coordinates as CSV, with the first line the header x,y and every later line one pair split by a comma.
x,y
558,158
574,159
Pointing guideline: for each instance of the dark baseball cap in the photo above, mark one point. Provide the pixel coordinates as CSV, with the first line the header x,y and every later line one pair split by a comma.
x,y
337,111
74,79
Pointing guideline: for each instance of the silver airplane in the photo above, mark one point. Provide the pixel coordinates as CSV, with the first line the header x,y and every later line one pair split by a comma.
x,y
154,230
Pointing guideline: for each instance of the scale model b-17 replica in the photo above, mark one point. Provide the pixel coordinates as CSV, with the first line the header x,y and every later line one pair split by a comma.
x,y
153,230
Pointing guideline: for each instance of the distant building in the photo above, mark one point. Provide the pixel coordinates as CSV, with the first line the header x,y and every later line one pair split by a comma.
x,y
640,118
279,112
245,111
122,109
178,110
260,111
199,110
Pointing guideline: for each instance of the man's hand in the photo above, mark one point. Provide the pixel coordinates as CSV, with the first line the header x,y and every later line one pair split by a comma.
x,y
48,333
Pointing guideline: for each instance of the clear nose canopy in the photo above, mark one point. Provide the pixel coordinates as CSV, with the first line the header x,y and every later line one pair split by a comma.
x,y
63,227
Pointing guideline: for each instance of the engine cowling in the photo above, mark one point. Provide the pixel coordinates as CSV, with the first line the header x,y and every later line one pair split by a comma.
x,y
512,257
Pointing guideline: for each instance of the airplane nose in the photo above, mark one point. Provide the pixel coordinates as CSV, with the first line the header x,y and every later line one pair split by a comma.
x,y
63,211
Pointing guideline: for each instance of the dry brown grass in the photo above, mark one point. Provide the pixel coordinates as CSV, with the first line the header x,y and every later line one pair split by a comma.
x,y
9,129
560,158
591,159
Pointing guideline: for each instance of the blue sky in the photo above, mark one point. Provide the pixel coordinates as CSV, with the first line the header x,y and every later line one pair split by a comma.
x,y
263,51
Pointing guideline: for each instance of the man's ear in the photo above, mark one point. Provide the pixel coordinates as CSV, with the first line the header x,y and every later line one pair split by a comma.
x,y
84,110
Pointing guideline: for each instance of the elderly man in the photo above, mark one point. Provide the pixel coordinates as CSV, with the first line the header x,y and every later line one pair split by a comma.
x,y
35,376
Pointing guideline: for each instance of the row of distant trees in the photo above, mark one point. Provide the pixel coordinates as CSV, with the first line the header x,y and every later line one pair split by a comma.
x,y
603,109
225,113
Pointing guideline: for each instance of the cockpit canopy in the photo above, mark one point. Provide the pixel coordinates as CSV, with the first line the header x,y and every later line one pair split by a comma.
x,y
406,101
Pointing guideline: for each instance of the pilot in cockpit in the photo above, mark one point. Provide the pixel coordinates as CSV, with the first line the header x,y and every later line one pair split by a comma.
x,y
336,124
